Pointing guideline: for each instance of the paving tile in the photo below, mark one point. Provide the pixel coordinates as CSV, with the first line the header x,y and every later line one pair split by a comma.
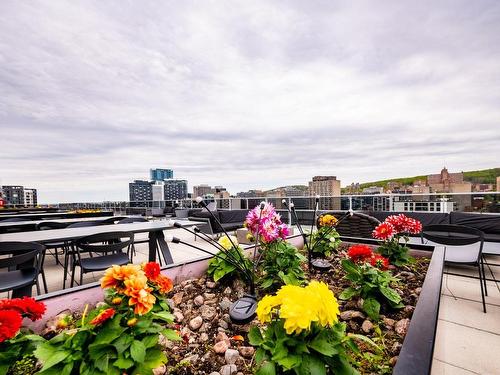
x,y
467,348
443,368
470,289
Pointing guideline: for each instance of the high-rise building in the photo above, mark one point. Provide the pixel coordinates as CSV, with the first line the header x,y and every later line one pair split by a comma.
x,y
159,174
202,190
13,194
30,197
326,186
140,191
175,189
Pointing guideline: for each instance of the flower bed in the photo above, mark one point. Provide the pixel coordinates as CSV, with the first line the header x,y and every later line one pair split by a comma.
x,y
365,329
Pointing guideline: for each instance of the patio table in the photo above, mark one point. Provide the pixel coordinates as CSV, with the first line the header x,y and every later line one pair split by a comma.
x,y
155,230
56,215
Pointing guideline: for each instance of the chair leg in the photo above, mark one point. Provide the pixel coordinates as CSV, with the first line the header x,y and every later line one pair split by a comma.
x,y
44,280
81,275
484,275
73,269
66,256
481,275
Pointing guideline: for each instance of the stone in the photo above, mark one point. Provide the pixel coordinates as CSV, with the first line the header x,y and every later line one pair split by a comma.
x,y
210,285
178,316
225,304
227,291
393,361
223,324
396,347
160,370
209,295
231,356
408,275
228,370
401,326
367,326
208,312
177,298
351,314
192,358
389,323
417,290
195,323
221,347
204,337
221,336
226,318
198,300
214,373
409,309
247,351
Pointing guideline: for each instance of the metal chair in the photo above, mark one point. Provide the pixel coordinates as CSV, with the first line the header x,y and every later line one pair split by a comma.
x,y
358,225
101,244
455,236
129,220
23,262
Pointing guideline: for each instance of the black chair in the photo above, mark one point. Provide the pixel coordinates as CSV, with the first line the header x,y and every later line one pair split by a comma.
x,y
69,248
22,261
358,225
129,220
455,236
100,245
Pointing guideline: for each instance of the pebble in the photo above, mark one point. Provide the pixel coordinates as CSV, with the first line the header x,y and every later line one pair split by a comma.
x,y
160,370
393,361
210,285
221,347
198,300
226,318
223,324
401,326
209,295
389,323
204,337
227,291
221,336
396,347
367,326
208,312
214,373
192,358
225,304
195,323
247,351
418,290
231,356
178,316
409,309
177,298
228,370
351,314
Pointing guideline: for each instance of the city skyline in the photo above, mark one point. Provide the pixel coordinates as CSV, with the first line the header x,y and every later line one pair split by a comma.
x,y
250,96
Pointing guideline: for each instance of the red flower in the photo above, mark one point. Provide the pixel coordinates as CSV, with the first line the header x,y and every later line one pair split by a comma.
x,y
26,306
359,253
152,270
413,226
164,284
103,316
384,231
379,261
10,322
398,222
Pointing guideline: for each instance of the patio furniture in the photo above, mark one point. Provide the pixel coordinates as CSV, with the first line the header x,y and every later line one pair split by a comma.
x,y
229,219
98,246
137,219
22,261
457,239
358,225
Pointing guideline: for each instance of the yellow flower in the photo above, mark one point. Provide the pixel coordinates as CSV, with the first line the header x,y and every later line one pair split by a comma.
x,y
132,322
326,305
327,220
116,301
226,242
265,308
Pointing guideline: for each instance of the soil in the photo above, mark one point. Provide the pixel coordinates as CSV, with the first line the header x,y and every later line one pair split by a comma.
x,y
201,310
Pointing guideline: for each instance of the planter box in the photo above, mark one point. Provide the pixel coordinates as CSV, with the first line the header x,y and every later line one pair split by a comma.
x,y
415,357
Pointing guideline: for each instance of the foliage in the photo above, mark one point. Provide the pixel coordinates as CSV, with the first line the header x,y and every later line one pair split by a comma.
x,y
370,283
326,239
18,351
220,267
281,264
302,334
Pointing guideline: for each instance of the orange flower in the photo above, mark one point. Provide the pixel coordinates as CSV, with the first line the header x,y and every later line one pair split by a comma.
x,y
115,276
139,295
103,316
152,270
164,284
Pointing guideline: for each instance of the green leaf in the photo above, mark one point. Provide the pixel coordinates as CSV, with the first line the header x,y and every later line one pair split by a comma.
x,y
266,283
322,345
350,267
123,363
164,315
255,336
150,341
372,307
56,358
290,361
348,293
311,365
171,334
138,351
267,368
366,340
102,363
108,334
390,294
260,355
122,343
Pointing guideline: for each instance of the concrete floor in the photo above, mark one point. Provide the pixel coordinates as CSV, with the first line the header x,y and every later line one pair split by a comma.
x,y
468,341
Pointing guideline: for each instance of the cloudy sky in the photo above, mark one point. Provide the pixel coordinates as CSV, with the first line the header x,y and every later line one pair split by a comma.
x,y
245,94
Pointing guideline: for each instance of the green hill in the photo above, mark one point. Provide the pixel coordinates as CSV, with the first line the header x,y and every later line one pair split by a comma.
x,y
484,176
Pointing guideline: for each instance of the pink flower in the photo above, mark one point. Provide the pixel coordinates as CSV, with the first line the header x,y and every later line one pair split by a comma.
x,y
384,231
267,223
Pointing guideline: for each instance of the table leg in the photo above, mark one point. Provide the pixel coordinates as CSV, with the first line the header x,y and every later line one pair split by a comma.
x,y
157,239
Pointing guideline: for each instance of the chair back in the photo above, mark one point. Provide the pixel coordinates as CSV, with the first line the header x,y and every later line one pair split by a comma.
x,y
105,242
48,225
452,234
129,220
81,224
358,225
14,255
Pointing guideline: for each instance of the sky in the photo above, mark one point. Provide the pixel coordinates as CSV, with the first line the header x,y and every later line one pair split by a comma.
x,y
244,94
